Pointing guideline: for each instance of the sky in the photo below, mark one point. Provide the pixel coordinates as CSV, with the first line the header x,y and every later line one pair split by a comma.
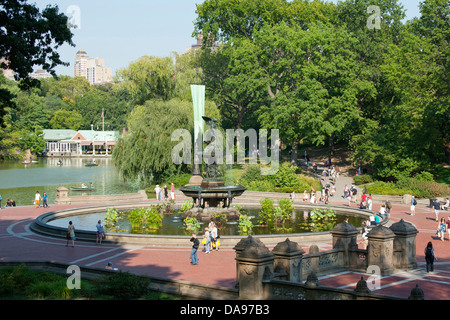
x,y
121,31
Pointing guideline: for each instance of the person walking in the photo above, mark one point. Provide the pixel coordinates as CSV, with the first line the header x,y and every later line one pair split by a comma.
x,y
37,198
100,232
195,244
442,227
437,207
413,205
70,234
430,257
44,200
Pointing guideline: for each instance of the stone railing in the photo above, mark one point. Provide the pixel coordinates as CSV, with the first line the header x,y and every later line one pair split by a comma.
x,y
279,274
84,197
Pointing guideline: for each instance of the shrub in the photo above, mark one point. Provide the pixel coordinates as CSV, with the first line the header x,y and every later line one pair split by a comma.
x,y
245,224
192,224
286,209
362,179
266,210
126,286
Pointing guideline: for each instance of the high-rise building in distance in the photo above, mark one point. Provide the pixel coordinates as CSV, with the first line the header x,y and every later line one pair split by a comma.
x,y
92,69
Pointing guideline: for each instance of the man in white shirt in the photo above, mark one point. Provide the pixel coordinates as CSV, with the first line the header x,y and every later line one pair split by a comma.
x,y
37,198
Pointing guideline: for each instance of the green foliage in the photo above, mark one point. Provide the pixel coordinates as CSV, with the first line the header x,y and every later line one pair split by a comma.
x,y
145,151
362,179
285,180
192,224
64,119
267,209
18,283
152,218
149,78
146,218
187,204
322,219
420,189
125,286
245,224
111,218
286,208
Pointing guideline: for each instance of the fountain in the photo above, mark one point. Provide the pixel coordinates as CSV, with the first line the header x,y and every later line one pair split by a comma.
x,y
212,196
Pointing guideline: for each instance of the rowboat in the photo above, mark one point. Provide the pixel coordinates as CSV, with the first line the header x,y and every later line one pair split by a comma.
x,y
90,164
81,189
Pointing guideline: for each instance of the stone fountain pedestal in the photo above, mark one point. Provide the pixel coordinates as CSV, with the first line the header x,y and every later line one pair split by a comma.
x,y
206,214
212,197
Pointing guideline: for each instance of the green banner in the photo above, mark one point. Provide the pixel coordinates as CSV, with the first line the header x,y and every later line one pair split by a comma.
x,y
198,100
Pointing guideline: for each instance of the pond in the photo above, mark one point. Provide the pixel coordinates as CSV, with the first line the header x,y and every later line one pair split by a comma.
x,y
173,224
20,182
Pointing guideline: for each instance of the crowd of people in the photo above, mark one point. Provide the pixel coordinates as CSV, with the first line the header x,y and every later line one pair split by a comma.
x,y
163,193
210,242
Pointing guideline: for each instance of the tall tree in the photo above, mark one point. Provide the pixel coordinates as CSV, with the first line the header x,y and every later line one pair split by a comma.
x,y
28,38
316,84
149,78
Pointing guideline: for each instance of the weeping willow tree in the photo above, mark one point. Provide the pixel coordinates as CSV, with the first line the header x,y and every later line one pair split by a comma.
x,y
144,153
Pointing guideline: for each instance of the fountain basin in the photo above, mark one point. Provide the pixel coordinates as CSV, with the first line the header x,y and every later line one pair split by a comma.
x,y
41,226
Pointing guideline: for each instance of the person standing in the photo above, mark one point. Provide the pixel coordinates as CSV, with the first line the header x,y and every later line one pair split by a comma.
x,y
100,232
437,207
293,196
158,192
430,257
207,237
172,191
44,200
448,228
413,205
214,237
196,243
37,198
70,234
166,193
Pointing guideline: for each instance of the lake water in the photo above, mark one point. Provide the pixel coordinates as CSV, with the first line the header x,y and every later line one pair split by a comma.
x,y
20,182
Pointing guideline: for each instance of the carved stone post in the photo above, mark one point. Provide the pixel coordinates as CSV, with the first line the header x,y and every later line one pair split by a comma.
x,y
255,264
344,239
62,196
239,247
380,251
405,245
288,261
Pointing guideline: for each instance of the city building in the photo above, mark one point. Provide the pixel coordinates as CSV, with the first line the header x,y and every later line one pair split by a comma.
x,y
81,59
213,45
92,69
40,74
97,73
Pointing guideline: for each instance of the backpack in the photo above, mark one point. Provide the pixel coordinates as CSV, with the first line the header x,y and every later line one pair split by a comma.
x,y
429,253
414,202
